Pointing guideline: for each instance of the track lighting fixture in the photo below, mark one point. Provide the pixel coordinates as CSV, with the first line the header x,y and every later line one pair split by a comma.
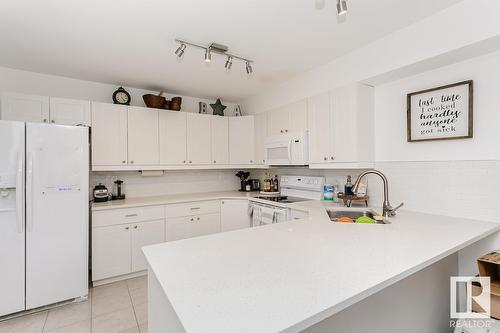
x,y
249,68
208,55
229,62
214,48
180,50
341,7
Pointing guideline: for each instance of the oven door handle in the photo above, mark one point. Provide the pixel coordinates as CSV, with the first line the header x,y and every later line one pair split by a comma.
x,y
275,217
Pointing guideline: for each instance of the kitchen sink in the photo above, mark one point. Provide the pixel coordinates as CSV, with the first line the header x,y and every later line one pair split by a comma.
x,y
352,214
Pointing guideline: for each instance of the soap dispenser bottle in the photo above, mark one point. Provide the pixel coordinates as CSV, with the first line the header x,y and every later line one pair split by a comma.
x,y
348,187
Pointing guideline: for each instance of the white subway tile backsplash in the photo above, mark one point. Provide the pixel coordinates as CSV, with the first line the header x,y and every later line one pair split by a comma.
x,y
468,189
172,182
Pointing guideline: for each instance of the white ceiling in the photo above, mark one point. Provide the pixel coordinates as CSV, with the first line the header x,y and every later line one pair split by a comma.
x,y
131,43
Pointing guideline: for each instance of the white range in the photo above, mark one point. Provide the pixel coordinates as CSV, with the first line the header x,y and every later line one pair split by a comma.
x,y
268,209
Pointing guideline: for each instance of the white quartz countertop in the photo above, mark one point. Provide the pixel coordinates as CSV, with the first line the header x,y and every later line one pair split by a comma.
x,y
286,277
170,199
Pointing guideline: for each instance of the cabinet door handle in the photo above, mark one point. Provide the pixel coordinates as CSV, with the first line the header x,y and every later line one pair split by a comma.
x,y
190,161
286,131
45,120
325,158
135,227
123,162
215,161
126,228
130,215
131,162
251,161
198,218
183,161
53,121
192,219
333,157
195,208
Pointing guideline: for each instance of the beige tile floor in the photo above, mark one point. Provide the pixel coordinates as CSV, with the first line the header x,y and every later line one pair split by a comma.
x,y
120,307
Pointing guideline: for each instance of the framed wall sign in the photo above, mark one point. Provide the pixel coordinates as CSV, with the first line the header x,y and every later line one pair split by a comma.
x,y
441,113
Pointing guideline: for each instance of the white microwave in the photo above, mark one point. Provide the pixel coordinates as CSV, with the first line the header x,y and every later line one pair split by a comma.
x,y
288,149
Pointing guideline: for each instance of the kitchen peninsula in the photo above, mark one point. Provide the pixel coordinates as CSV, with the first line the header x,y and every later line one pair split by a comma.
x,y
298,275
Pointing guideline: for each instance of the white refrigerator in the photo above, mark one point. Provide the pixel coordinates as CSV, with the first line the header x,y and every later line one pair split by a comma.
x,y
44,185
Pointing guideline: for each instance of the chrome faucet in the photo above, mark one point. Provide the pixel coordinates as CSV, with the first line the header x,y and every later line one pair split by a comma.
x,y
387,209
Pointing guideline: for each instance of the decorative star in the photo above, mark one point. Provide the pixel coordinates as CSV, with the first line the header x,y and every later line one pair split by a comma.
x,y
218,108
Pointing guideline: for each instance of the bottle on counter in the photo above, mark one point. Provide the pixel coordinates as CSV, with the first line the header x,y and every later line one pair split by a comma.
x,y
328,192
267,184
276,187
348,186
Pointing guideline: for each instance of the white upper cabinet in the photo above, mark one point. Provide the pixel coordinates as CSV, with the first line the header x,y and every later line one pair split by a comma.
x,y
220,140
199,139
69,111
319,128
341,132
241,140
143,139
109,134
28,108
173,137
260,121
289,118
297,116
278,121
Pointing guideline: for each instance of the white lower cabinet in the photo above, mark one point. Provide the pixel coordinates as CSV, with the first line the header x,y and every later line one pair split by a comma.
x,y
110,251
143,234
234,215
192,226
118,236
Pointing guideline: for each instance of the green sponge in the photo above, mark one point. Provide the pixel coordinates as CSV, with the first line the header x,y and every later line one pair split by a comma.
x,y
365,219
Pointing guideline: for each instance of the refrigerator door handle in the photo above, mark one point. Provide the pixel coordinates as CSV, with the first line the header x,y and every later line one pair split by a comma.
x,y
20,194
29,194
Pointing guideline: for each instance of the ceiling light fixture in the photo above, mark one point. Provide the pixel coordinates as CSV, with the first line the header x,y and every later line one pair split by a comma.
x,y
208,55
214,48
229,62
249,68
180,50
341,7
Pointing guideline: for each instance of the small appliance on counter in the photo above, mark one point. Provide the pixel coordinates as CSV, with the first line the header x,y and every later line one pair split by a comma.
x,y
254,184
100,193
117,191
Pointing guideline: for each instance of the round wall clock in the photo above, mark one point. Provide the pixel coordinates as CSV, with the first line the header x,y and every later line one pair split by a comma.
x,y
121,96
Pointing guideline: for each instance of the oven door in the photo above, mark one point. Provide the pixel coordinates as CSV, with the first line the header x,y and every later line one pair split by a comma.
x,y
263,215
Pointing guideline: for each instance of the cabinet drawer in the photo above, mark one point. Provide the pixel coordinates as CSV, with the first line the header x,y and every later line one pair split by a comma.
x,y
127,215
193,208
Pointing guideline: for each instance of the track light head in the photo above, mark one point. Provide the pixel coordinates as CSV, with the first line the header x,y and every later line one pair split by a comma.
x,y
208,55
341,7
180,50
229,62
249,68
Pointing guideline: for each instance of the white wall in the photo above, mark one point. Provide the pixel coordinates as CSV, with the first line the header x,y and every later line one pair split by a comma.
x,y
390,114
12,80
456,177
467,23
